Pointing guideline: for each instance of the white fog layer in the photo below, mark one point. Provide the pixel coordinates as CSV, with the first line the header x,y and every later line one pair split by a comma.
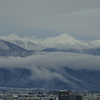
x,y
53,60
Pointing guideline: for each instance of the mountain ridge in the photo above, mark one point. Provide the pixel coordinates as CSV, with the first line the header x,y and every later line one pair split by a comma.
x,y
63,39
61,43
10,49
95,43
75,79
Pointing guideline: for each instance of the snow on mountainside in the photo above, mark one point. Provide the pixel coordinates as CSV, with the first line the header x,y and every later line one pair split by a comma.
x,y
26,42
95,43
18,42
10,49
62,43
3,45
63,39
25,45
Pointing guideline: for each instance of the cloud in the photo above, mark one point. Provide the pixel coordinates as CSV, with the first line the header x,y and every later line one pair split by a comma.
x,y
53,60
46,74
59,15
47,66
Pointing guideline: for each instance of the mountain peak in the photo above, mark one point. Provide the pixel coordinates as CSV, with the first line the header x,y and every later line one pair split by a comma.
x,y
95,43
64,35
63,39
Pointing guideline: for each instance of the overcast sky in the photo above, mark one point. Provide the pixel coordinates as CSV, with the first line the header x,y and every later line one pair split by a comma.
x,y
48,18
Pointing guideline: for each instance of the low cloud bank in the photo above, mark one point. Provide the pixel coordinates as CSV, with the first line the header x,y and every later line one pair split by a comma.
x,y
53,60
47,66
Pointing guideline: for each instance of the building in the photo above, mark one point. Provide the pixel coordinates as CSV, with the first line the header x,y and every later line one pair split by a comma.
x,y
66,95
63,95
74,97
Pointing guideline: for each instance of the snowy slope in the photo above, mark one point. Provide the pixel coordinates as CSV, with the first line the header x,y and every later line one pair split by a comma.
x,y
62,43
18,43
23,44
3,45
10,49
63,39
95,43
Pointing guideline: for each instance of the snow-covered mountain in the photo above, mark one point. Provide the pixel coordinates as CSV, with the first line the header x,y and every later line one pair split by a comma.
x,y
23,44
61,43
18,43
9,49
63,39
95,43
58,41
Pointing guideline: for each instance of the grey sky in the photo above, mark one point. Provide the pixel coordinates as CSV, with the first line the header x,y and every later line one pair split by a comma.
x,y
47,18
